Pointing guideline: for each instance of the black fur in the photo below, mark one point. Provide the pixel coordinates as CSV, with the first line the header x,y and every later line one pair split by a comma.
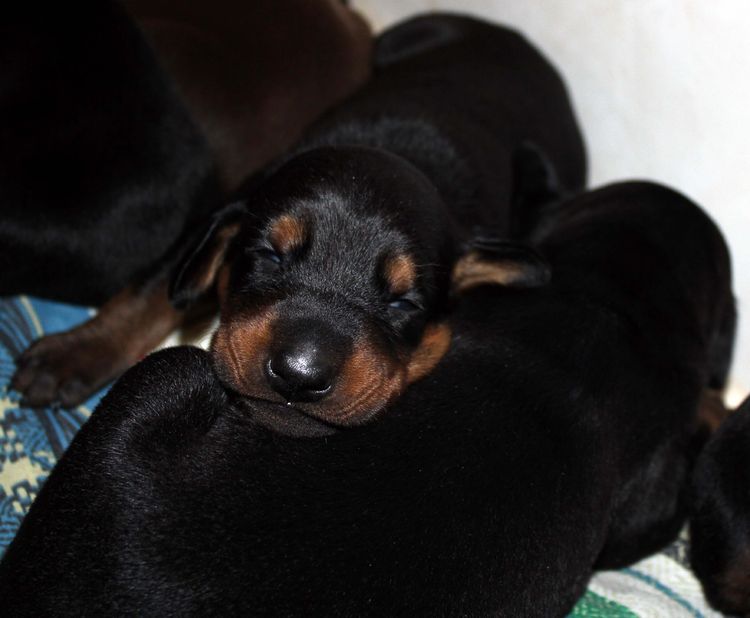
x,y
554,438
461,99
720,518
101,167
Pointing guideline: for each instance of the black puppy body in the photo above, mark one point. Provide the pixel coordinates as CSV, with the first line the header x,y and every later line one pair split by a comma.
x,y
465,101
555,437
338,264
720,517
101,166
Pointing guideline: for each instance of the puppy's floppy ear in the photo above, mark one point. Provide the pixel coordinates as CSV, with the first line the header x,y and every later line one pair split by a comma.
x,y
198,271
490,261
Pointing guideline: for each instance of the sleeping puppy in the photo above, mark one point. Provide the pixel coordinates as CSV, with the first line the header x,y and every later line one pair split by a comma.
x,y
720,518
555,437
334,273
122,141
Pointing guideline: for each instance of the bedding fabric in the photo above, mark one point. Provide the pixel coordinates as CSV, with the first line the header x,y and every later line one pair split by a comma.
x,y
32,440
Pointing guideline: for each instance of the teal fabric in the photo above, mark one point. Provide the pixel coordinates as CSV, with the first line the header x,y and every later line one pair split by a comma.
x,y
31,440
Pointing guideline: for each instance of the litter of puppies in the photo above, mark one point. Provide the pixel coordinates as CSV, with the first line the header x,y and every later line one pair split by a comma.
x,y
448,378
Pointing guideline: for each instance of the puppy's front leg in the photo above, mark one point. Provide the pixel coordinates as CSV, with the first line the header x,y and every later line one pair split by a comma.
x,y
66,368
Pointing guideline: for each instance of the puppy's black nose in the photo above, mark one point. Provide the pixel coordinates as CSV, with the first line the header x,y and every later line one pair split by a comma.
x,y
303,368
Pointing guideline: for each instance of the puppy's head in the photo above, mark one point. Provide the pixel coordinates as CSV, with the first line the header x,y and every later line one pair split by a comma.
x,y
333,279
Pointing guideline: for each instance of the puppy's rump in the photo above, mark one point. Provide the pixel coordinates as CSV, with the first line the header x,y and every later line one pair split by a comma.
x,y
650,241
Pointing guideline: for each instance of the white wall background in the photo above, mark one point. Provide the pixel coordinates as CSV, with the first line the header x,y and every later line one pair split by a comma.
x,y
662,91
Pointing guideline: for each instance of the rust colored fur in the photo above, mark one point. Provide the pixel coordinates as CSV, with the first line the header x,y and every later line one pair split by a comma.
x,y
238,343
287,234
126,329
400,273
369,380
434,345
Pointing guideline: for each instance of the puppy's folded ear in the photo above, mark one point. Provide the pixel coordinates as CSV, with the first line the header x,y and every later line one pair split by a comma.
x,y
490,261
198,271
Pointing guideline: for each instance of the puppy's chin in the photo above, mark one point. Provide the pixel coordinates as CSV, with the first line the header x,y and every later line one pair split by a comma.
x,y
284,419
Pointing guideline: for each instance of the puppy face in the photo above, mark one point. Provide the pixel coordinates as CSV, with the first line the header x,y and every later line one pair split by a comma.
x,y
333,280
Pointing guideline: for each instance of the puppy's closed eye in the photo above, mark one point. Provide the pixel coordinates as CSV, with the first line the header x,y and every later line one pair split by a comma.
x,y
268,254
404,304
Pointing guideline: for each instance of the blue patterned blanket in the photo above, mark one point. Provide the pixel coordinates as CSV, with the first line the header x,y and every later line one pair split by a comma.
x,y
31,440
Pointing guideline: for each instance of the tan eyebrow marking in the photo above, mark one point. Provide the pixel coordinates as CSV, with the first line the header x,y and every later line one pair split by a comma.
x,y
288,233
400,273
240,344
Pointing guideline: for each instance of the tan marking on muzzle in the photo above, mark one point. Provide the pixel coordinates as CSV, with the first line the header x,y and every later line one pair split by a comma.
x,y
370,379
435,343
241,345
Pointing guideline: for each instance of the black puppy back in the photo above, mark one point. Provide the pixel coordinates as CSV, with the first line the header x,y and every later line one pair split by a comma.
x,y
97,153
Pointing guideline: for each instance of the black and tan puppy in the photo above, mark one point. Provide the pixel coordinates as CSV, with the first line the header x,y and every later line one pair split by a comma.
x,y
720,518
121,134
555,437
335,271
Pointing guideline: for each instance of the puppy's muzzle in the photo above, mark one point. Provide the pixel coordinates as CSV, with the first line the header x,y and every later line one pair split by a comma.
x,y
305,361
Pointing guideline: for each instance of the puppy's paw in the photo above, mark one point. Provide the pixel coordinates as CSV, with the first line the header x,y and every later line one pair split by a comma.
x,y
66,369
